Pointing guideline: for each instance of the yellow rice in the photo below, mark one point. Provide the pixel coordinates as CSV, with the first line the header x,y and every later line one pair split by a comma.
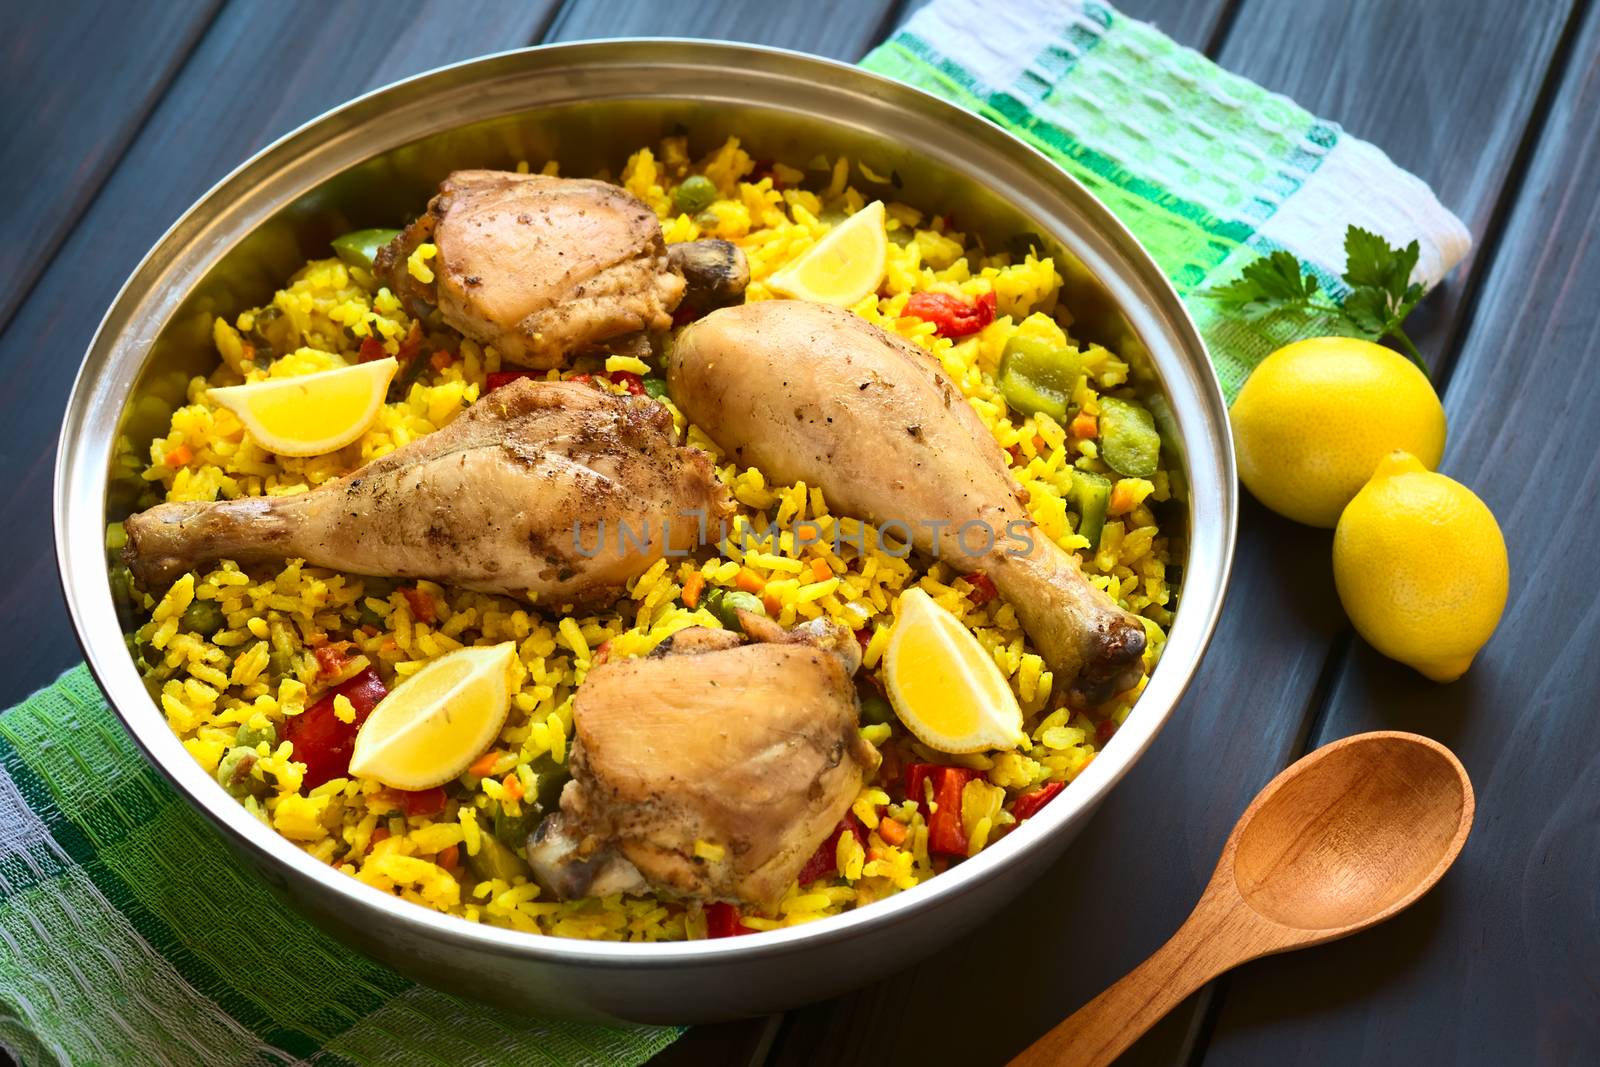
x,y
208,688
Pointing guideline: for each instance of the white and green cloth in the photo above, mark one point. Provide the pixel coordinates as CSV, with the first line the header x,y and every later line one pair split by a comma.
x,y
1207,169
129,934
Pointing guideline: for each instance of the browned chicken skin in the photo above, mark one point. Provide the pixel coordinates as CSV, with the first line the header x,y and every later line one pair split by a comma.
x,y
751,748
542,267
813,393
525,492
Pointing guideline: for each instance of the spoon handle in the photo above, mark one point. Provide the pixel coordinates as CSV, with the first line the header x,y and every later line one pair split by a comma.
x,y
1102,1029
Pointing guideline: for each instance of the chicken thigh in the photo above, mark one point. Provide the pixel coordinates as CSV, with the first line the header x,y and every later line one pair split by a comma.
x,y
541,267
552,490
812,393
753,752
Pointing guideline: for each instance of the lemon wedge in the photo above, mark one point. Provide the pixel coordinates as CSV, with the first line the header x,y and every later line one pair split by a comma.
x,y
438,721
944,686
311,414
846,265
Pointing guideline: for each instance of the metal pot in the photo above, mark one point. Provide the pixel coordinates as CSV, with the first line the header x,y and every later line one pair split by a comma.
x,y
375,161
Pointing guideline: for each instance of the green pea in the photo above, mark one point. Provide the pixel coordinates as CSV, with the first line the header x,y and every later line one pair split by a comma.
x,y
203,617
695,194
734,601
358,248
234,773
875,710
655,387
258,729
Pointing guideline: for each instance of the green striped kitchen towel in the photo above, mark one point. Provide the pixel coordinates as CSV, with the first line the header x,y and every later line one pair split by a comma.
x,y
1207,169
130,935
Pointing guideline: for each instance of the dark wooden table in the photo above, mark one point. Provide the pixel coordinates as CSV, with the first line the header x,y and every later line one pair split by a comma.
x,y
115,116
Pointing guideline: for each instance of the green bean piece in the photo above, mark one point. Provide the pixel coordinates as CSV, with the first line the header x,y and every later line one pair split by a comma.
x,y
655,387
1092,492
1037,377
695,194
550,778
495,860
360,247
1129,442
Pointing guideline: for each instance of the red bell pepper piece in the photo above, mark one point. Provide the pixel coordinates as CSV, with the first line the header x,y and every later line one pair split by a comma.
x,y
322,741
983,589
421,605
330,660
1028,804
945,834
951,316
417,804
629,381
497,378
824,862
371,350
722,920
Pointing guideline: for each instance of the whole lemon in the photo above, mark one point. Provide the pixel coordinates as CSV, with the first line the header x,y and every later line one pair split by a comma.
x,y
1421,567
1316,416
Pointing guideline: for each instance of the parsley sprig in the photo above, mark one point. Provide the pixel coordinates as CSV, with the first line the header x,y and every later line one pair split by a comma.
x,y
1382,293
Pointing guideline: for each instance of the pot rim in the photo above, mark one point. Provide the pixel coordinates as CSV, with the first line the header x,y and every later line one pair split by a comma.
x,y
79,522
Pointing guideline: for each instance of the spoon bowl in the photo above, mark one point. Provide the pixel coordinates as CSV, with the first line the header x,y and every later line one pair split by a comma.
x,y
1359,830
1343,839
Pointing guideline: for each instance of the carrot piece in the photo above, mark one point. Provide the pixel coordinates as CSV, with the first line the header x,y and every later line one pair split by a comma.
x,y
749,580
820,571
1085,426
449,857
513,785
441,360
484,763
693,586
893,833
1121,499
179,457
772,604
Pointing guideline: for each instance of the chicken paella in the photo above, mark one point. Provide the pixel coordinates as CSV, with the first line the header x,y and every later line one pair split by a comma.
x,y
686,553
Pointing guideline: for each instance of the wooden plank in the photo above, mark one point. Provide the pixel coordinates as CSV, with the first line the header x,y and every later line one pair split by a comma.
x,y
1142,863
75,93
842,31
1498,964
213,116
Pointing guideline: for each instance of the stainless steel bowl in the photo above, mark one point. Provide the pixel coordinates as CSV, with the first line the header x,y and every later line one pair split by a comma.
x,y
376,160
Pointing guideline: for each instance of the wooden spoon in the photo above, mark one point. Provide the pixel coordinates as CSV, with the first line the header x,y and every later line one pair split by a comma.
x,y
1343,839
